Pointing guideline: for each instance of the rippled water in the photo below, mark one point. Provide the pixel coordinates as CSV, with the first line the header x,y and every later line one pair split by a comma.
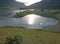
x,y
29,21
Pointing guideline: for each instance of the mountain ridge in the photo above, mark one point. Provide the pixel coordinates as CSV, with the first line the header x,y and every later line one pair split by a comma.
x,y
46,4
11,3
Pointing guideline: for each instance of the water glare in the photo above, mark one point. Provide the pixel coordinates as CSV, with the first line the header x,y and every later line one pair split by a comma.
x,y
31,19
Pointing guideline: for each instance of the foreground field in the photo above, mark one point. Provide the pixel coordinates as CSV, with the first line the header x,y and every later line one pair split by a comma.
x,y
32,36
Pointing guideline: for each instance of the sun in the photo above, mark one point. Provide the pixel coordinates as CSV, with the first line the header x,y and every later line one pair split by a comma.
x,y
28,2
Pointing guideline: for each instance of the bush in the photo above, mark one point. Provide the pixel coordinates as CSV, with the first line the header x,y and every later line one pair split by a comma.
x,y
14,39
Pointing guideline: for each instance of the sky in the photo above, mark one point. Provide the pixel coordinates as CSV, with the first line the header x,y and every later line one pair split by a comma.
x,y
28,2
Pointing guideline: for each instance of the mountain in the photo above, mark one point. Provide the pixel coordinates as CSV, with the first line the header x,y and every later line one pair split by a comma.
x,y
7,7
11,4
46,4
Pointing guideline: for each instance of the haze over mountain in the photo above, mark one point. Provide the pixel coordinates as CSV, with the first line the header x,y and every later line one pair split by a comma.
x,y
11,3
7,7
46,4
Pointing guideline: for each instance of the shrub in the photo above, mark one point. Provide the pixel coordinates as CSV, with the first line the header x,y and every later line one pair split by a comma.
x,y
14,39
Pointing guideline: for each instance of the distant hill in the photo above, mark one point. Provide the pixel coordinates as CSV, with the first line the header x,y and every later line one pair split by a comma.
x,y
46,4
11,4
8,6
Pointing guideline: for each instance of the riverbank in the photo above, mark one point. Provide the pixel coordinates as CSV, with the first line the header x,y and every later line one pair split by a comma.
x,y
32,36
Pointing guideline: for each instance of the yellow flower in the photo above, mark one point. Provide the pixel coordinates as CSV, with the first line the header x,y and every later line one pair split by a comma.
x,y
12,37
20,33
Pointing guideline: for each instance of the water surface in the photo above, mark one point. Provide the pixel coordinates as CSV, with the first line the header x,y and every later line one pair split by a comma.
x,y
29,21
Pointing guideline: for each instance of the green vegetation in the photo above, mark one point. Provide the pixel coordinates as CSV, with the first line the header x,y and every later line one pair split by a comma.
x,y
39,12
32,36
14,38
7,26
21,14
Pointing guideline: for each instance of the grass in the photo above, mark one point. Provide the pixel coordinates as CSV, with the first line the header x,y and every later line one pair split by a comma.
x,y
35,36
21,14
7,26
45,13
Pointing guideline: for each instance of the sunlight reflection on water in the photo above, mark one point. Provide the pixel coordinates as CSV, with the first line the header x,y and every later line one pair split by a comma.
x,y
29,21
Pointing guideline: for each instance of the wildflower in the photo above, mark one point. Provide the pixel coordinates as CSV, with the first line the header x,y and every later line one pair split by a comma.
x,y
12,37
20,33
